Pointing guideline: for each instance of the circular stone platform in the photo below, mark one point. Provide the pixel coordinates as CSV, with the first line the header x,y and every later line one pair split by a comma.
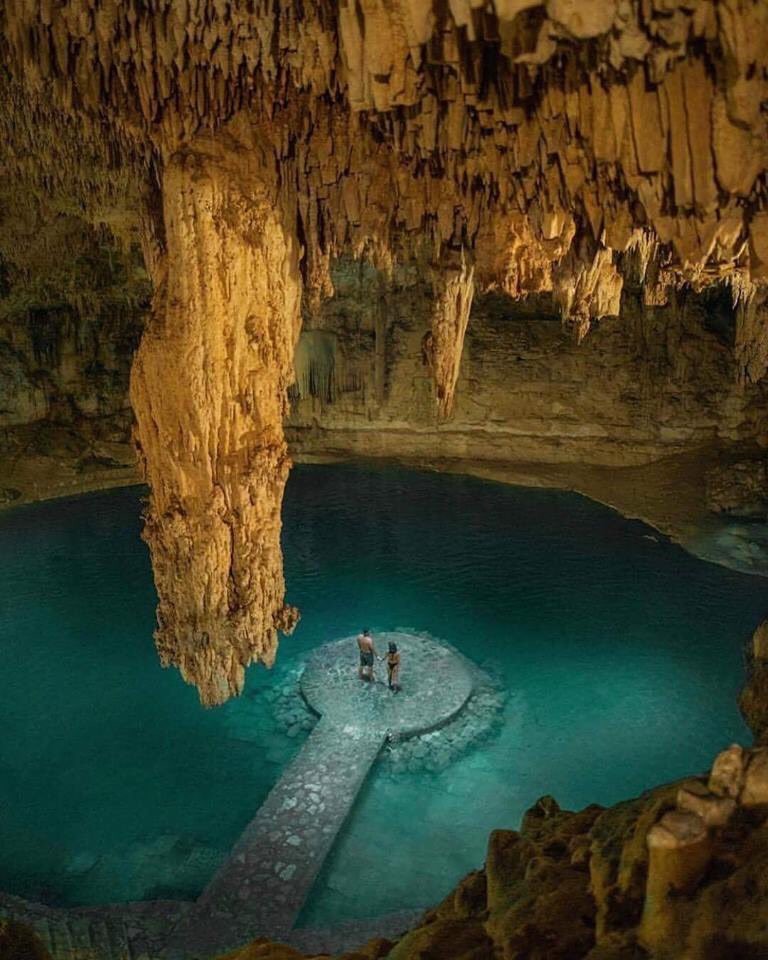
x,y
435,686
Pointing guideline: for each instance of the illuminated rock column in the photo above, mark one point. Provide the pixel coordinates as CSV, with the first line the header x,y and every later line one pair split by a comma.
x,y
208,389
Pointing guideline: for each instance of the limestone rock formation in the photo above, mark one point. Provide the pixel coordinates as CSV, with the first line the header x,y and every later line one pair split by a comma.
x,y
740,489
209,389
560,146
453,289
754,697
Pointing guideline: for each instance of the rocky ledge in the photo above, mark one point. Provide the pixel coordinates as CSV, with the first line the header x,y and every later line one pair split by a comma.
x,y
677,874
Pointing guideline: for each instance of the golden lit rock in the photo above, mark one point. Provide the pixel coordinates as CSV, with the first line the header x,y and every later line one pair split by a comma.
x,y
208,389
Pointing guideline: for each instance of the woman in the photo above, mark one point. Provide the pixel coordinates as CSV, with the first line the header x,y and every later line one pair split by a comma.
x,y
393,667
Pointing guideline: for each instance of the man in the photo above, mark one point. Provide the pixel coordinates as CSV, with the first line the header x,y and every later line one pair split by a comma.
x,y
367,655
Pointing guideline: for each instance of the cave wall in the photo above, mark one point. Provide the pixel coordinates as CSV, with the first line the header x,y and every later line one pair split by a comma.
x,y
657,381
61,368
72,305
72,299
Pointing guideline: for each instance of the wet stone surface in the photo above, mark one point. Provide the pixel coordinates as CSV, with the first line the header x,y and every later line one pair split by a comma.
x,y
431,751
435,685
436,750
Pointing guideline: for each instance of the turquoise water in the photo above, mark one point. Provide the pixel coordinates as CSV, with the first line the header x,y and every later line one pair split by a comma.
x,y
620,652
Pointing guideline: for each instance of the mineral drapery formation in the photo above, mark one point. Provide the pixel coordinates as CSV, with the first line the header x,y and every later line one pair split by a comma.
x,y
208,389
562,146
453,289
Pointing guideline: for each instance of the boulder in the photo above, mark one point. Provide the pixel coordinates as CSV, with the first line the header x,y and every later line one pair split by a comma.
x,y
714,810
727,776
755,790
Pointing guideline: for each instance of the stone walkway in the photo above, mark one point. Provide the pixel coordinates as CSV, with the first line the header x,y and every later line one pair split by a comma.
x,y
435,686
262,886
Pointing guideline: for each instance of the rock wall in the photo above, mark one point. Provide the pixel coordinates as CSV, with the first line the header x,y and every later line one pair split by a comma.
x,y
658,381
72,305
59,367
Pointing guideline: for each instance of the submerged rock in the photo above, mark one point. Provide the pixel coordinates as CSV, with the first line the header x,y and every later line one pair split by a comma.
x,y
82,863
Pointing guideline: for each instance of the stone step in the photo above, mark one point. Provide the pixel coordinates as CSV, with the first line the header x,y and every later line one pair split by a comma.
x,y
42,928
80,936
75,937
62,947
114,933
101,940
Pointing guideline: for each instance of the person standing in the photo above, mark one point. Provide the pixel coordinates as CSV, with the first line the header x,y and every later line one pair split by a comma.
x,y
393,667
367,655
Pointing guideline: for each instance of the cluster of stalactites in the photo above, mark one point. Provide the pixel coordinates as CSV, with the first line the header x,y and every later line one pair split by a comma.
x,y
558,144
564,126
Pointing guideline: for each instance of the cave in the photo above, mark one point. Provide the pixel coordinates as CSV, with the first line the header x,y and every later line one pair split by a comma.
x,y
383,479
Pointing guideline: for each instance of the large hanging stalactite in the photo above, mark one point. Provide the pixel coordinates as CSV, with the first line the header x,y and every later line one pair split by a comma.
x,y
209,391
453,286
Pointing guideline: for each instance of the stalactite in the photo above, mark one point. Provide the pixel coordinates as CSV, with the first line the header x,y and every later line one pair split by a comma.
x,y
587,289
318,366
453,286
209,393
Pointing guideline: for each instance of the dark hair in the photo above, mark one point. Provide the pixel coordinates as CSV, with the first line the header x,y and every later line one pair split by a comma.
x,y
366,632
392,647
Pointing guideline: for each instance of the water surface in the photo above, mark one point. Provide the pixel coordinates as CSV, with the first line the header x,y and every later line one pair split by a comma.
x,y
620,652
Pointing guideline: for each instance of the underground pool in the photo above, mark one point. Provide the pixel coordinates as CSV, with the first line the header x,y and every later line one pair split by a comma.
x,y
616,656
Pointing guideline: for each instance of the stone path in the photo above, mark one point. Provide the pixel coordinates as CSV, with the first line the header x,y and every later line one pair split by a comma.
x,y
262,886
435,686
